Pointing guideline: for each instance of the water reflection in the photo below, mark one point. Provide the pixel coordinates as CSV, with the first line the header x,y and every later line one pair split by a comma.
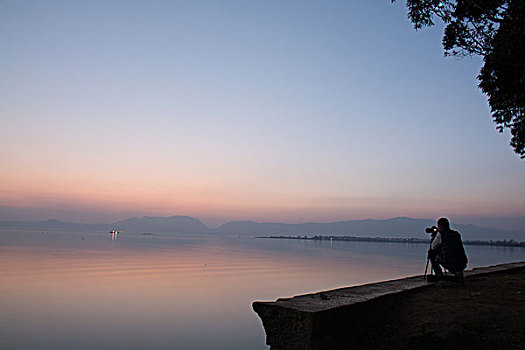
x,y
114,235
77,290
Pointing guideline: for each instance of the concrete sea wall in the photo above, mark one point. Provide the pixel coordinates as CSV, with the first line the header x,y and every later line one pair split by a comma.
x,y
336,319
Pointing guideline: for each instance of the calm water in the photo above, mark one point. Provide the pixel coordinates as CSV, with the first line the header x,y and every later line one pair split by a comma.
x,y
71,290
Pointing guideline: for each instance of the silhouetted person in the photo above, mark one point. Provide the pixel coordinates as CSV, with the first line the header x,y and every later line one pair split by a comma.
x,y
446,249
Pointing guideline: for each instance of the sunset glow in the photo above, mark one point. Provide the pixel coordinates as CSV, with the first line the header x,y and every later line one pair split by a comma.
x,y
249,110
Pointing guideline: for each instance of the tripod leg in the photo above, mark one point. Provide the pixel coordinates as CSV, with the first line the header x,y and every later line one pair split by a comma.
x,y
426,268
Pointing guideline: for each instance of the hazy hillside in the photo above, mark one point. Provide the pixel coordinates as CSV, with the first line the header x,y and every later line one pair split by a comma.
x,y
396,227
390,228
170,224
52,224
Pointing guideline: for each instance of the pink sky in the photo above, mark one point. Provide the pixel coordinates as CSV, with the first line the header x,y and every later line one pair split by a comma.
x,y
267,112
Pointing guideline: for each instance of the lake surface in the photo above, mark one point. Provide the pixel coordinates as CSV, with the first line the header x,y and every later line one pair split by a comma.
x,y
89,290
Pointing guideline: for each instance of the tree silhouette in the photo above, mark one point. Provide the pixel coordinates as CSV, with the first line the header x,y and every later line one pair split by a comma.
x,y
495,30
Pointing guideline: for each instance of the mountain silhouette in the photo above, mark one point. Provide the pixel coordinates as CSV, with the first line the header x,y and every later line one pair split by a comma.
x,y
400,227
170,224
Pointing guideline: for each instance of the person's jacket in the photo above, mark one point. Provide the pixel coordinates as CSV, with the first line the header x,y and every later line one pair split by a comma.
x,y
453,256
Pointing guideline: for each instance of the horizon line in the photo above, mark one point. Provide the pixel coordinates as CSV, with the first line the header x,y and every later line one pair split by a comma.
x,y
232,221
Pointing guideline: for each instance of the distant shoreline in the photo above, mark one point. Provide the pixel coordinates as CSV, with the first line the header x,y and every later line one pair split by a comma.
x,y
504,243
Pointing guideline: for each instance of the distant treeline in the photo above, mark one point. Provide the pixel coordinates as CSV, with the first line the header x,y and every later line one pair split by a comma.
x,y
504,243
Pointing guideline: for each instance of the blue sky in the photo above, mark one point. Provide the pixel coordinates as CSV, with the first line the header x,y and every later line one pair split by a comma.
x,y
275,110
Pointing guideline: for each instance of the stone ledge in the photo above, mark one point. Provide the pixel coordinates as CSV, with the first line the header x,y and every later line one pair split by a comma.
x,y
332,319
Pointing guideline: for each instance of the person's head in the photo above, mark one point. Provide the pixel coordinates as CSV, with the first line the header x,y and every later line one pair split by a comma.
x,y
443,224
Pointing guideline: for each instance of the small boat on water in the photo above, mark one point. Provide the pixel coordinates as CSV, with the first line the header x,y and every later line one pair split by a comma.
x,y
114,235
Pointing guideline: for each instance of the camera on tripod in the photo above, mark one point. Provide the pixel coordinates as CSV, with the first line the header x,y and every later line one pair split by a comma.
x,y
432,230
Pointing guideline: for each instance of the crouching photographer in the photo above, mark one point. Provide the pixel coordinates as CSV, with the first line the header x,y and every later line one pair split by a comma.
x,y
446,250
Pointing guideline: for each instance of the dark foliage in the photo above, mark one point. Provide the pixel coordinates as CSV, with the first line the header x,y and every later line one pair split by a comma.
x,y
495,30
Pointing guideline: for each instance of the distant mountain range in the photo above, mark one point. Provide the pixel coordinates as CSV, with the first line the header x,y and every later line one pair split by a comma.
x,y
401,227
170,224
